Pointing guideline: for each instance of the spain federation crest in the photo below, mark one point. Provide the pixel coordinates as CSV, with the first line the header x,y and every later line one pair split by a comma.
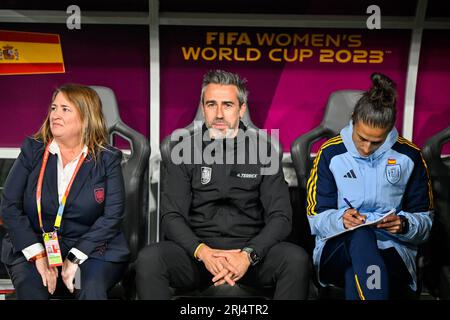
x,y
206,175
393,173
99,194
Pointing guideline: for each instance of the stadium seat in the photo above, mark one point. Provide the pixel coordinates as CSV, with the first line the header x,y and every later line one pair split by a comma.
x,y
437,272
135,172
338,112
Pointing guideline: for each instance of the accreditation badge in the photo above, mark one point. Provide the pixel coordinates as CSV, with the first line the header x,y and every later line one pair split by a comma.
x,y
53,249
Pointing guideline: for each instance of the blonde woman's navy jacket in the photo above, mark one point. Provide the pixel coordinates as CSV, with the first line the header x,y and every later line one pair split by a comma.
x,y
393,177
92,216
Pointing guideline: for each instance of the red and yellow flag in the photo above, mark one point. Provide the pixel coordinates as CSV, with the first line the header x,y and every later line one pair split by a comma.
x,y
392,161
30,53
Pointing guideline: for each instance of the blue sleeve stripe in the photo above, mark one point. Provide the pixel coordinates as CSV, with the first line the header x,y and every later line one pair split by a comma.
x,y
404,141
312,181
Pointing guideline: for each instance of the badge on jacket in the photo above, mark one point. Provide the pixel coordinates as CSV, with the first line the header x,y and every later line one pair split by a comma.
x,y
393,172
206,175
99,194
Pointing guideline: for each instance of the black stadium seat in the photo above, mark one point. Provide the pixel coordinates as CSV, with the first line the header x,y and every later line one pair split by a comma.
x,y
338,112
437,274
135,171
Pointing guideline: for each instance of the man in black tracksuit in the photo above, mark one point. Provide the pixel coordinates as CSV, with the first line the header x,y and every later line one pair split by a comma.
x,y
224,214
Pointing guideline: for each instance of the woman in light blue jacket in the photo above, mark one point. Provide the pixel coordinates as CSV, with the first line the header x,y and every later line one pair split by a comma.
x,y
359,176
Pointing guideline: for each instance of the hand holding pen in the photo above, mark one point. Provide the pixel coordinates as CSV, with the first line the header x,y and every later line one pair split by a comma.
x,y
352,217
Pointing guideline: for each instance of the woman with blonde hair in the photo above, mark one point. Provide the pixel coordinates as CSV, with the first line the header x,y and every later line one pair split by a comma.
x,y
63,204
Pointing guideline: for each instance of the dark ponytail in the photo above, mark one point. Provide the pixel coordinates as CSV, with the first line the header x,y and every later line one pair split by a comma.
x,y
377,106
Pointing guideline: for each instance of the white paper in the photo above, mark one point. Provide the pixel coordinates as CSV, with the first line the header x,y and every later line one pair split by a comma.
x,y
367,223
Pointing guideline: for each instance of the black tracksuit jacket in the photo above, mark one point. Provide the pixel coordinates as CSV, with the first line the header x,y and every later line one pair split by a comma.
x,y
226,206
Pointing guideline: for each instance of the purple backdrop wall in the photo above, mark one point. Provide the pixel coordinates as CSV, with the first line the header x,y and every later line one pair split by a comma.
x,y
432,112
289,96
112,56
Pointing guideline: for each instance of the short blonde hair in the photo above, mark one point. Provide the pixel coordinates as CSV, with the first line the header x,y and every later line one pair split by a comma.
x,y
93,133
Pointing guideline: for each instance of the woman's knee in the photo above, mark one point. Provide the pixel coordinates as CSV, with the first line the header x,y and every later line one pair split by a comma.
x,y
363,234
93,290
28,283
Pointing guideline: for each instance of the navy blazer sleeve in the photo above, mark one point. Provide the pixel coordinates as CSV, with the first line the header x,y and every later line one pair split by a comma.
x,y
107,225
15,219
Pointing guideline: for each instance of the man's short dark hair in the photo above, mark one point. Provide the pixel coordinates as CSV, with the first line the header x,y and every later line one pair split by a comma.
x,y
225,78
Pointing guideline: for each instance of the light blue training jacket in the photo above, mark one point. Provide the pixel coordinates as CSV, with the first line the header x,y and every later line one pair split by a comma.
x,y
394,176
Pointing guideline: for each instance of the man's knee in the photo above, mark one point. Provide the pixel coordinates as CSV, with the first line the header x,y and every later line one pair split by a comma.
x,y
150,259
298,259
294,258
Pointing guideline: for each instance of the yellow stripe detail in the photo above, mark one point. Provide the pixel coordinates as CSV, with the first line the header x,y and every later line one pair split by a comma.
x,y
407,142
312,201
312,175
430,190
312,181
196,250
361,295
34,52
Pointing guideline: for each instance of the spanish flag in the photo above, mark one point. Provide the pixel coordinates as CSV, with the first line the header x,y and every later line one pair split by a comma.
x,y
30,53
392,161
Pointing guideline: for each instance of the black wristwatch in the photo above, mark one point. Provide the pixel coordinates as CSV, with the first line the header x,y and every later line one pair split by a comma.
x,y
405,224
253,257
73,258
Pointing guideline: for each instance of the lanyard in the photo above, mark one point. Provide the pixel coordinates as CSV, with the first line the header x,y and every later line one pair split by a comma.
x,y
64,198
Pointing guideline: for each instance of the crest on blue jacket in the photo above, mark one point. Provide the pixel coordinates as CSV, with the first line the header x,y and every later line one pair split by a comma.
x,y
393,173
206,175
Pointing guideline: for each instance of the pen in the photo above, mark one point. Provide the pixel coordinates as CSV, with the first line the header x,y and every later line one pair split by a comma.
x,y
349,204
355,216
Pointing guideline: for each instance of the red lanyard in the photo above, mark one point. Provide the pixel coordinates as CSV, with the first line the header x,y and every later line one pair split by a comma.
x,y
64,198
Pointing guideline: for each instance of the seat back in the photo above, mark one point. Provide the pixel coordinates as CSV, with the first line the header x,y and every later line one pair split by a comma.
x,y
338,112
439,244
134,168
339,109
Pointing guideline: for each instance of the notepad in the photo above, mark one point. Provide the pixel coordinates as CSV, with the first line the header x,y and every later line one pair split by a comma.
x,y
366,224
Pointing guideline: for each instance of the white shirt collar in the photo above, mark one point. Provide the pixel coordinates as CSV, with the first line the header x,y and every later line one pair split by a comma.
x,y
54,148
